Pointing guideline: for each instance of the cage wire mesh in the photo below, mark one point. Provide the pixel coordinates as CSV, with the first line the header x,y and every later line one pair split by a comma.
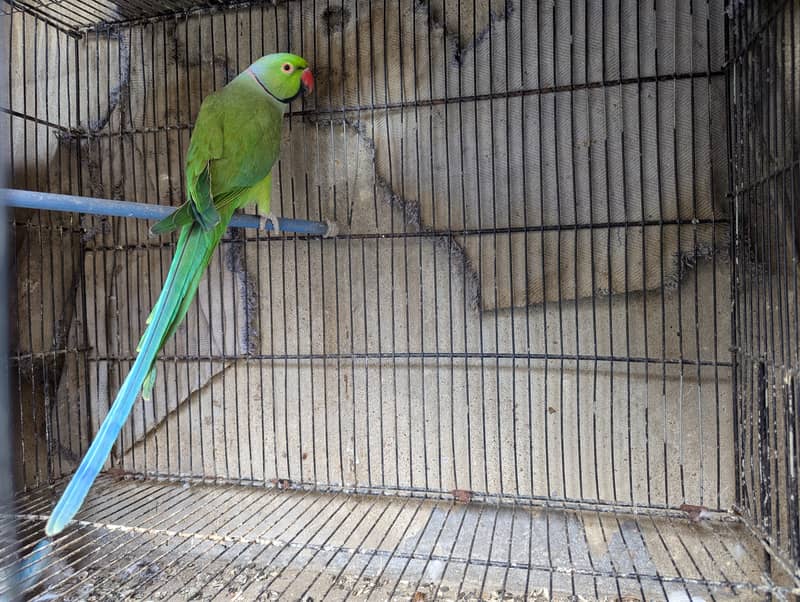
x,y
510,376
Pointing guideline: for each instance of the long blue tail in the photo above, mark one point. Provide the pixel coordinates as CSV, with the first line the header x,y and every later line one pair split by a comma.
x,y
191,256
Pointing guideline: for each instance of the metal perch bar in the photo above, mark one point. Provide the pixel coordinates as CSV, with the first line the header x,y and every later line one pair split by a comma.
x,y
25,199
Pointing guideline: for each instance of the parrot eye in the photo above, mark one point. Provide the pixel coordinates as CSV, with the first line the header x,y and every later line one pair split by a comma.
x,y
287,67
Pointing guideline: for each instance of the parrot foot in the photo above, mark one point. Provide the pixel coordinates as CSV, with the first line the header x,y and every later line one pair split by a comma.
x,y
332,231
271,218
276,224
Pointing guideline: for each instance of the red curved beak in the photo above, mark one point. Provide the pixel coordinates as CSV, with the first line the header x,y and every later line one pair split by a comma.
x,y
307,79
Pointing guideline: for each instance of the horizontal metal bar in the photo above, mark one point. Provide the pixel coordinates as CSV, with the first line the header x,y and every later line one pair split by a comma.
x,y
453,233
552,501
325,114
39,121
46,201
421,355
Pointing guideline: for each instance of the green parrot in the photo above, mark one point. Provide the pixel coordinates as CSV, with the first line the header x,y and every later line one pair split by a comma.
x,y
234,144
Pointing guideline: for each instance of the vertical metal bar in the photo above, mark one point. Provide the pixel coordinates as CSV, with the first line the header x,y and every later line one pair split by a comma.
x,y
171,186
696,311
494,188
513,325
577,455
435,263
679,227
367,410
77,186
378,329
542,236
260,321
339,431
28,464
732,101
659,191
450,247
310,252
8,529
159,130
194,423
418,191
783,242
44,394
283,243
606,77
343,63
644,233
716,295
65,288
149,292
793,409
238,435
763,301
764,400
464,224
559,272
478,203
300,415
225,305
322,245
625,245
390,179
776,289
526,266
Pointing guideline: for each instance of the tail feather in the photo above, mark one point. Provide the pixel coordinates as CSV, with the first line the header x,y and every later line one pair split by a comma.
x,y
191,257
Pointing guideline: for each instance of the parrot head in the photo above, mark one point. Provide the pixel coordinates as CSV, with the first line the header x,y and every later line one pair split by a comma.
x,y
283,76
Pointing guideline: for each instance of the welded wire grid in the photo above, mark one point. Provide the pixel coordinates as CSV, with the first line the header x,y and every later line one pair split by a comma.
x,y
510,178
244,543
383,332
765,138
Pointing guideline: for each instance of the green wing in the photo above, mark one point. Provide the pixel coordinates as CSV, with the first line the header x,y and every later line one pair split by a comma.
x,y
204,147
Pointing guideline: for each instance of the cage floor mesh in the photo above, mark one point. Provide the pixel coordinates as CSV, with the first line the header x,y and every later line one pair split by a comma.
x,y
154,540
